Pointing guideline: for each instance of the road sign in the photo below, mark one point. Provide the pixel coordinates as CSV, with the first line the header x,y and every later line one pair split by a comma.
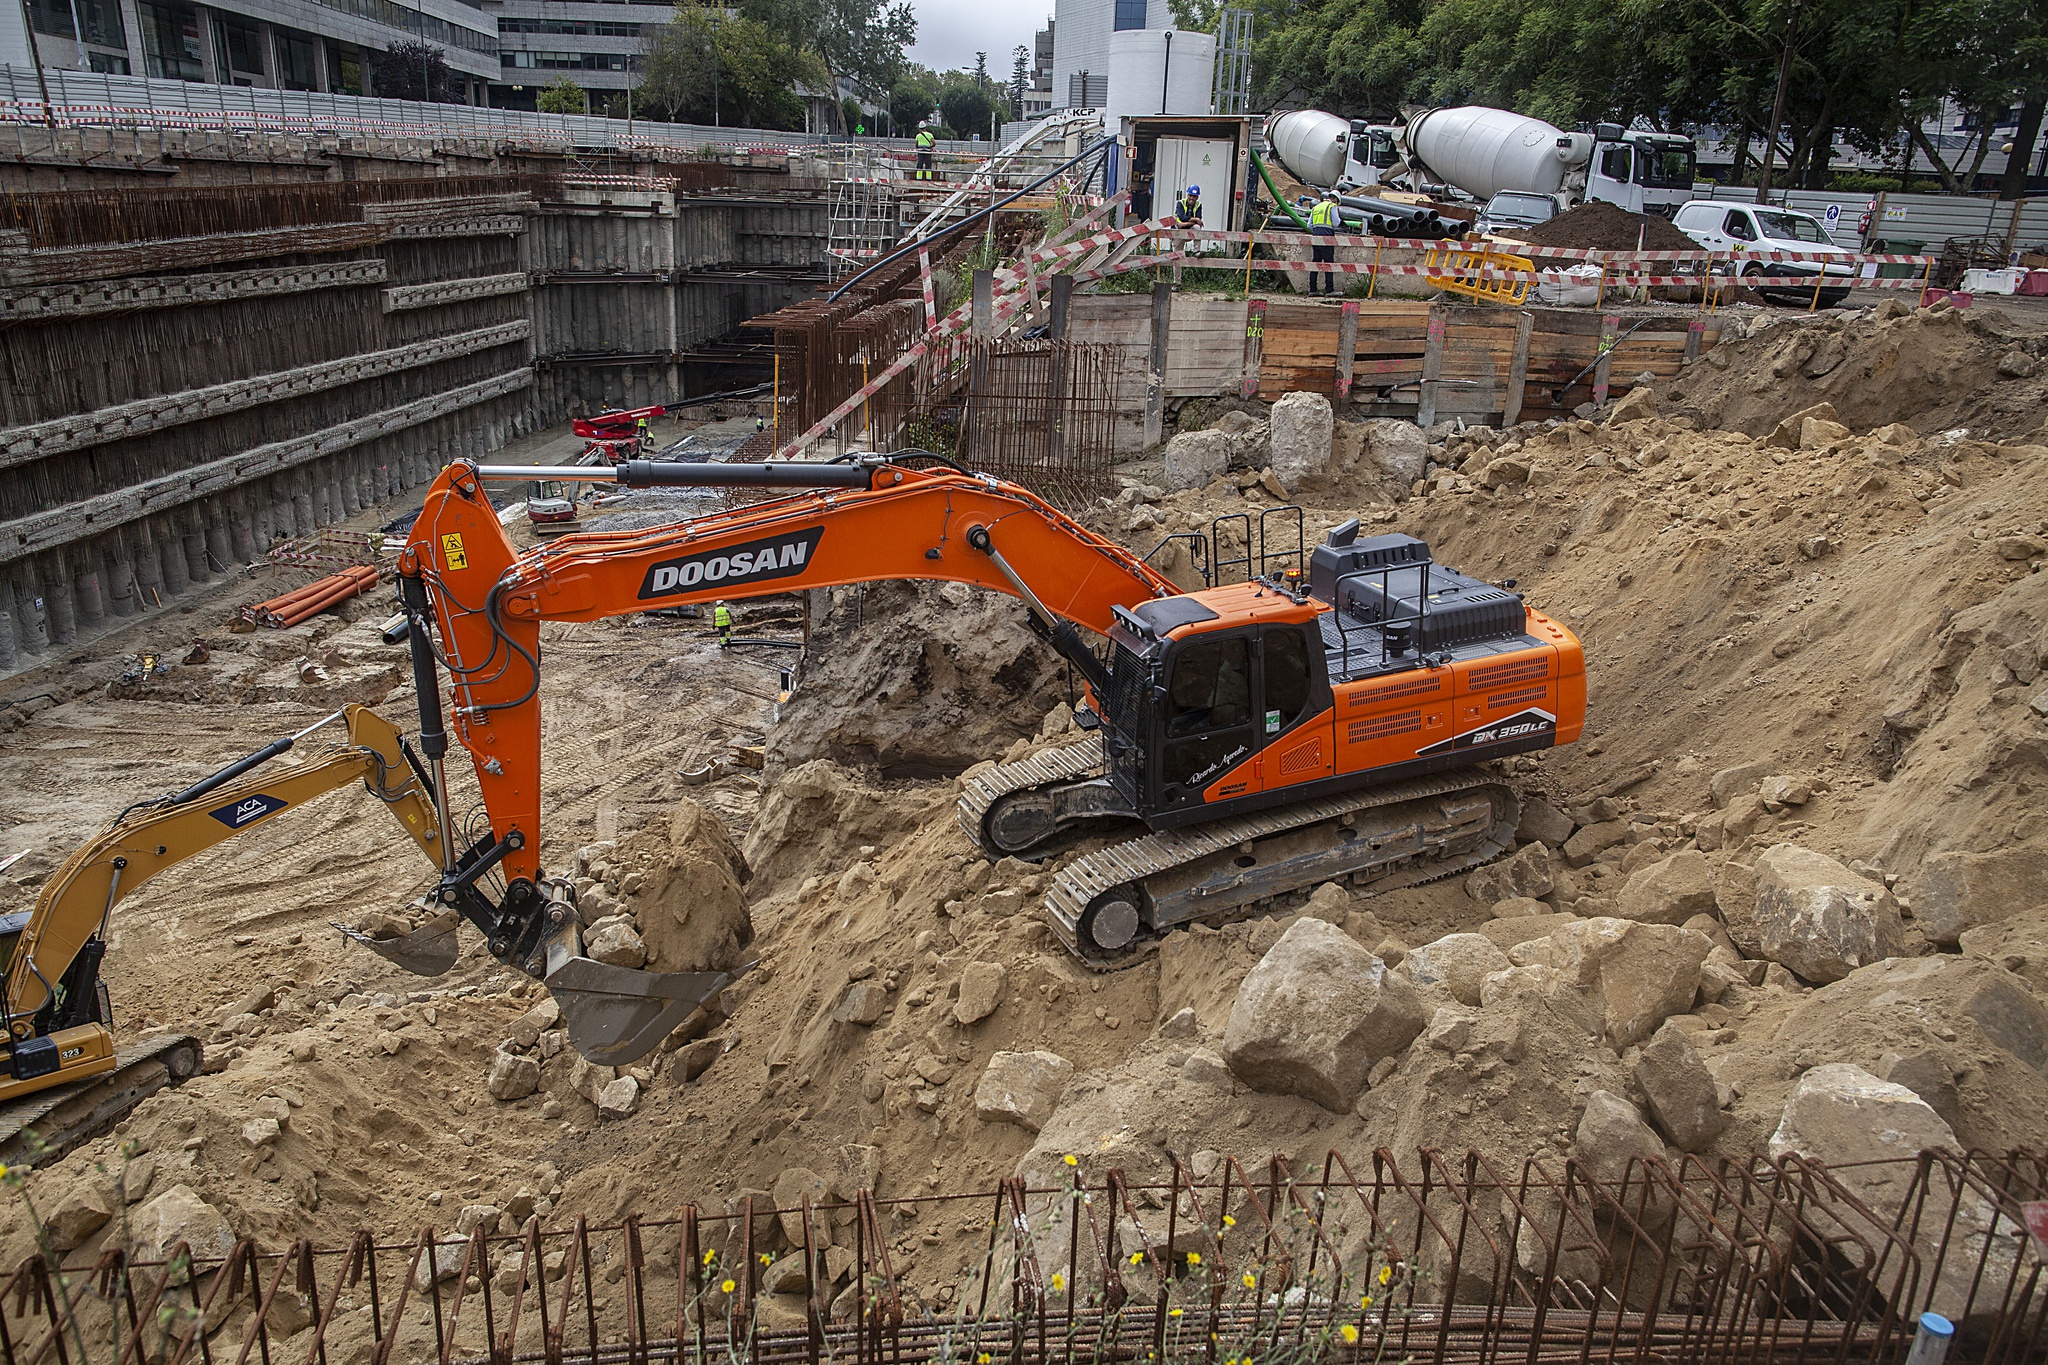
x,y
1833,215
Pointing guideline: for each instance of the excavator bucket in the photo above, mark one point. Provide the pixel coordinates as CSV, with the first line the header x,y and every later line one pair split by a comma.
x,y
615,1015
427,950
618,1015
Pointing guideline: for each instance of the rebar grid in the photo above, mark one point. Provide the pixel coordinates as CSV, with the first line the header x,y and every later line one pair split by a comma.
x,y
1037,412
1449,1259
62,218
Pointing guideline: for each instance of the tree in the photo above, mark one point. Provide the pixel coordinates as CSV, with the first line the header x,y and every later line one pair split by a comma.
x,y
563,96
736,70
413,70
910,103
966,110
981,71
1020,79
862,40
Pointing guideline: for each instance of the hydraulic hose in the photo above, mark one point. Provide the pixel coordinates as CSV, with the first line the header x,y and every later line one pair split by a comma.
x,y
1273,190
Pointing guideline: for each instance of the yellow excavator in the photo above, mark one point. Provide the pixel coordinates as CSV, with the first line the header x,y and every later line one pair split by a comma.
x,y
62,1079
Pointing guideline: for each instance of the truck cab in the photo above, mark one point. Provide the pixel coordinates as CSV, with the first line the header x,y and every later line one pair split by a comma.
x,y
1372,154
1642,172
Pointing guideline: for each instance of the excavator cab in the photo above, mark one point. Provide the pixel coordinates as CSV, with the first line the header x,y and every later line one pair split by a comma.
x,y
1196,699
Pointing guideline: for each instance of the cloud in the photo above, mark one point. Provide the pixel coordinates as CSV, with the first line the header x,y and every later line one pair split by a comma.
x,y
950,32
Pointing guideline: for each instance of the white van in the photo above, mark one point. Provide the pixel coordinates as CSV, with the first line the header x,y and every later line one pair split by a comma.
x,y
1738,228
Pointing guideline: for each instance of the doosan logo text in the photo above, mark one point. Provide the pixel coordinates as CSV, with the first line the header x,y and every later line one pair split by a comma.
x,y
753,561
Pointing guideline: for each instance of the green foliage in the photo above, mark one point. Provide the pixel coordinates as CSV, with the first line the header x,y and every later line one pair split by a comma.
x,y
1020,79
967,110
413,70
910,103
563,96
703,63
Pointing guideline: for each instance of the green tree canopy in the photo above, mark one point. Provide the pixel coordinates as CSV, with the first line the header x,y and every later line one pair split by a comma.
x,y
563,96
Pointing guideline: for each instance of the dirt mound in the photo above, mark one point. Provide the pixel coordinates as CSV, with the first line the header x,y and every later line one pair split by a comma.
x,y
1934,369
1597,225
916,680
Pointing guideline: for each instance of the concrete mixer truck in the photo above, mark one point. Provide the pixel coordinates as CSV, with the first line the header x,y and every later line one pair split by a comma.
x,y
1482,152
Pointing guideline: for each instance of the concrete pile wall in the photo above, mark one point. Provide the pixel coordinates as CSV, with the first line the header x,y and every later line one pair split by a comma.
x,y
167,411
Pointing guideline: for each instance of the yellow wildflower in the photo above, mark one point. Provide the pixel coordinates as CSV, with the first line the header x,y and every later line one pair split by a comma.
x,y
1350,1334
1386,1274
727,1287
983,1358
1173,1312
1194,1258
1251,1281
1072,1160
1137,1258
1059,1281
710,1256
1228,1221
1365,1302
766,1259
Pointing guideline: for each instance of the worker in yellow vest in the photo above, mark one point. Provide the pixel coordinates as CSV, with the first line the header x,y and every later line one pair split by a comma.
x,y
925,142
1322,222
721,621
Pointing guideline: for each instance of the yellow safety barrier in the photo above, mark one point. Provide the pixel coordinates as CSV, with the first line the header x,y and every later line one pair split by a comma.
x,y
1508,292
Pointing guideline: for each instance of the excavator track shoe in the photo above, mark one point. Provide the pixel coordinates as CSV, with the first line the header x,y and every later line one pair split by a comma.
x,y
1109,906
40,1127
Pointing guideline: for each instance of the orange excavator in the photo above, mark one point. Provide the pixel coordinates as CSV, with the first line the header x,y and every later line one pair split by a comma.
x,y
1247,740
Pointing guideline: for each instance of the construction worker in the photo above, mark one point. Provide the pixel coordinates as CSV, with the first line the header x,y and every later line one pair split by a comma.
x,y
760,423
1322,222
1188,210
925,142
721,621
643,434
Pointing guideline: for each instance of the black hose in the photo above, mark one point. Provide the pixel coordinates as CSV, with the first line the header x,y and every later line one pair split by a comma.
x,y
1103,147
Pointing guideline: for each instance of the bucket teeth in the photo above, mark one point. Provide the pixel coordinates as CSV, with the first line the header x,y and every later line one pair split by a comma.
x,y
429,950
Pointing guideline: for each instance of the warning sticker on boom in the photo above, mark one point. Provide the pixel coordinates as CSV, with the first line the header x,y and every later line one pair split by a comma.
x,y
753,561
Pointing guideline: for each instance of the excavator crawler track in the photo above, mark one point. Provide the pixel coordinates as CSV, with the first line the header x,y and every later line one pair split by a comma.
x,y
1399,835
1043,769
64,1116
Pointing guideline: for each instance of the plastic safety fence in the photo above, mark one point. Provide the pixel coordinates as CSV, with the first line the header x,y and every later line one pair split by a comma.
x,y
1432,1258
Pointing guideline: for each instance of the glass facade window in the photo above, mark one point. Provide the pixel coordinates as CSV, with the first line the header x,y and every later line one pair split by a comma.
x,y
568,61
170,42
107,64
576,27
1130,14
238,49
52,17
295,55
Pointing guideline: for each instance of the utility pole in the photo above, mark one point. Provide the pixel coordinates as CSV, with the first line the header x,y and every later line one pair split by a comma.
x,y
1763,183
35,57
1165,71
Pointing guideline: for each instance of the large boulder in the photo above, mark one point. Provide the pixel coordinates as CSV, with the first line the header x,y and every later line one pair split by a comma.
x,y
1193,458
1316,1015
1300,437
1397,449
1670,891
1527,874
1022,1088
179,1215
1959,891
1867,1131
1816,918
1680,1089
1456,964
512,1076
1641,974
1614,1142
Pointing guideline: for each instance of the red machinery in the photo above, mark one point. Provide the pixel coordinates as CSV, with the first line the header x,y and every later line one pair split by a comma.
x,y
614,436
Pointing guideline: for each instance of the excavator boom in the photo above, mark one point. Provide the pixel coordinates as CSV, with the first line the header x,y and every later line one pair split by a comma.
x,y
54,1009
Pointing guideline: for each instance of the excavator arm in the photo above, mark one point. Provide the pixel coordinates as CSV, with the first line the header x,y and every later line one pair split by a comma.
x,y
54,1024
475,606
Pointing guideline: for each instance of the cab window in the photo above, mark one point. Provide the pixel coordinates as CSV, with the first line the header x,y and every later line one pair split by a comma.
x,y
1285,655
1737,226
1616,164
1208,710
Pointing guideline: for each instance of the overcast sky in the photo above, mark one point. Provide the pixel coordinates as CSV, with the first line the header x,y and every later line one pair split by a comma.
x,y
950,32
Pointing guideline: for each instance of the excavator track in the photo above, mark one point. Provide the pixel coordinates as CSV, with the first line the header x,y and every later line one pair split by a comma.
x,y
1042,769
1382,839
64,1116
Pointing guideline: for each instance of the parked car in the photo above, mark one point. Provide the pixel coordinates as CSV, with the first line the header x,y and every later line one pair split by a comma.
x,y
1512,212
1762,228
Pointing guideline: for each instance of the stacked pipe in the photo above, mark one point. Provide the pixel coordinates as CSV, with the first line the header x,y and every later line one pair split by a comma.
x,y
322,595
1385,218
